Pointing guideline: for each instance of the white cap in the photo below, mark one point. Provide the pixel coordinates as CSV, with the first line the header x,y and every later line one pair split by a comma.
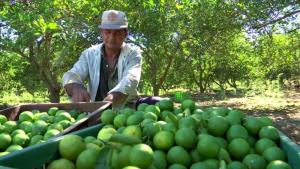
x,y
113,19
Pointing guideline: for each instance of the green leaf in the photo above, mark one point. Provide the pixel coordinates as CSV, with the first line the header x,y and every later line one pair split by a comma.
x,y
103,158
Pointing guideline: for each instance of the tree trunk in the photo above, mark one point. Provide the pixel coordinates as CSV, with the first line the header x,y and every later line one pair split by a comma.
x,y
54,95
155,90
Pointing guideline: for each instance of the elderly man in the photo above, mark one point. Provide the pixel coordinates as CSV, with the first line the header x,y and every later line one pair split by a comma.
x,y
112,68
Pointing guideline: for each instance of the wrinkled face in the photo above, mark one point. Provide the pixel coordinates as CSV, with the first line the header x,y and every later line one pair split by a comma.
x,y
113,39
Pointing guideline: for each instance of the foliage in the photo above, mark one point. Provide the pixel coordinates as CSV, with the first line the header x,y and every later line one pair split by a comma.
x,y
193,45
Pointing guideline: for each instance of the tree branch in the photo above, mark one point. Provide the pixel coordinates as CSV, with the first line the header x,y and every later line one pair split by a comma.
x,y
276,20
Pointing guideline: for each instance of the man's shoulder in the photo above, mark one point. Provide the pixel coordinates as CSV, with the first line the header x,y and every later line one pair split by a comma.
x,y
131,49
93,48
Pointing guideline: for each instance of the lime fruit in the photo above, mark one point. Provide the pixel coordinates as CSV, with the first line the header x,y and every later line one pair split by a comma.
x,y
178,155
208,146
163,140
238,148
50,133
21,139
61,164
277,164
263,144
105,133
71,146
26,116
107,116
273,153
13,148
237,131
87,159
186,137
5,141
120,120
141,155
269,132
217,125
3,119
255,161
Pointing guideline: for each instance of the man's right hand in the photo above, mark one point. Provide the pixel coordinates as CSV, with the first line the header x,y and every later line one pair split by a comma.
x,y
77,92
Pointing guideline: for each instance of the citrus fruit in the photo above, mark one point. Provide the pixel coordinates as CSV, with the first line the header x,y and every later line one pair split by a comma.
x,y
131,167
107,116
27,126
106,133
39,127
150,129
26,116
61,164
277,164
212,163
87,159
133,131
177,166
188,104
3,153
43,116
232,120
3,119
154,109
273,153
170,127
62,116
142,106
150,115
10,126
195,156
186,137
217,125
200,165
253,125
238,148
222,142
255,161
120,120
50,133
178,155
81,116
71,146
262,144
236,113
252,141
74,113
13,148
89,139
134,119
127,111
236,165
166,104
141,155
163,140
36,139
5,141
56,126
269,132
187,122
120,157
208,146
52,111
18,131
21,139
237,131
159,159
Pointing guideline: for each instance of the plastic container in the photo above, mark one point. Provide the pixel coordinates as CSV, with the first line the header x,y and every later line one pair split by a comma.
x,y
37,155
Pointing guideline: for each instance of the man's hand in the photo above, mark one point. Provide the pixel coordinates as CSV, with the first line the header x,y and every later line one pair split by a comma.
x,y
77,92
116,98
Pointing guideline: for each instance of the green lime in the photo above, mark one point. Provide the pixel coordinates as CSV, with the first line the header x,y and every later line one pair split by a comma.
x,y
178,155
141,155
71,146
277,164
5,141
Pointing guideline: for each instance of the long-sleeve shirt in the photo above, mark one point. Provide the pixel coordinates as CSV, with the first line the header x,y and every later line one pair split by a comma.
x,y
88,68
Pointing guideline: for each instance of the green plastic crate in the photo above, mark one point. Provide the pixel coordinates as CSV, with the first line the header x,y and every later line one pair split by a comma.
x,y
36,156
291,149
43,153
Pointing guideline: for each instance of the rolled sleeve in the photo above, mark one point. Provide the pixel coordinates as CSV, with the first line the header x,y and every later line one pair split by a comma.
x,y
79,72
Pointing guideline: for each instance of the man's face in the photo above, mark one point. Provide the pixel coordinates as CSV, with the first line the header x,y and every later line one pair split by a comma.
x,y
113,39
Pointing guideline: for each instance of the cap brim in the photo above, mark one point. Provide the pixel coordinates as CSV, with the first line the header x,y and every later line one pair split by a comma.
x,y
112,26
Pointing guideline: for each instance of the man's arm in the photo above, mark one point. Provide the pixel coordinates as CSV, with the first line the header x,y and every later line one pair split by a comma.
x,y
77,92
116,98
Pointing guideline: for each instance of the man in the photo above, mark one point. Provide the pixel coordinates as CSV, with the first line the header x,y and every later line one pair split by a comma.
x,y
112,68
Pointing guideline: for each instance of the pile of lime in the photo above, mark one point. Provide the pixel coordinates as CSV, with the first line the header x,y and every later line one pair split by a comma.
x,y
183,136
33,127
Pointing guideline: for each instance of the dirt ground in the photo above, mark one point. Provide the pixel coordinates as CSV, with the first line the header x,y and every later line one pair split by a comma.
x,y
283,109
